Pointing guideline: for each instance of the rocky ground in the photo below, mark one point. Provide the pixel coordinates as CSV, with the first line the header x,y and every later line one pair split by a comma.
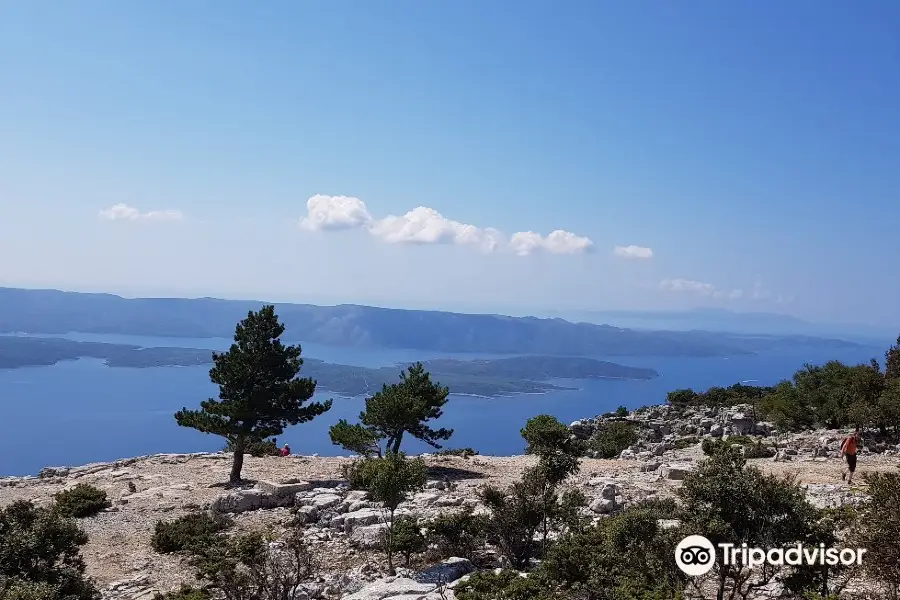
x,y
341,526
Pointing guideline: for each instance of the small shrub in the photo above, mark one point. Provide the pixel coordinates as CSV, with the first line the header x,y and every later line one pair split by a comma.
x,y
711,446
612,438
40,555
879,531
625,556
517,515
502,585
686,442
661,508
246,566
185,593
752,448
460,534
190,533
463,452
81,501
26,590
568,512
621,412
360,473
391,481
407,538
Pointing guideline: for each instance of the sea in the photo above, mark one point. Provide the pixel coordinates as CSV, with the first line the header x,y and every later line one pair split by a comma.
x,y
82,411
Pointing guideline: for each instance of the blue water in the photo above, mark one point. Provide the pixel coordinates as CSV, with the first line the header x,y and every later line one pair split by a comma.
x,y
82,411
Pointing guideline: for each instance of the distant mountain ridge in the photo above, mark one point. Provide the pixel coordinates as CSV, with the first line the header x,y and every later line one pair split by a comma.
x,y
723,320
57,312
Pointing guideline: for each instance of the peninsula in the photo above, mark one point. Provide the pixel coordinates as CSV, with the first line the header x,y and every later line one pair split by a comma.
x,y
489,378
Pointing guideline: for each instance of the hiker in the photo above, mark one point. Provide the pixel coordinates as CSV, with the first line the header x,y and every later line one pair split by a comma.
x,y
286,451
849,447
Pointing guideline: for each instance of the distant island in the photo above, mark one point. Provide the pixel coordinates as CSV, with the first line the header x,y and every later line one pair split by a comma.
x,y
55,312
489,378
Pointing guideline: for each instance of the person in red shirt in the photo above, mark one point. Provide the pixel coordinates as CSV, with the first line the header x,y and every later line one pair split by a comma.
x,y
848,449
286,451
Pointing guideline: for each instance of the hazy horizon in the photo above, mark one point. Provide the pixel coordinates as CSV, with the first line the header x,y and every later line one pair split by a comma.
x,y
627,318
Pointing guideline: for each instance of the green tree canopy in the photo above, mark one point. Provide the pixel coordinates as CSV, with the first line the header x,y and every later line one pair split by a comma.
x,y
892,361
397,409
259,391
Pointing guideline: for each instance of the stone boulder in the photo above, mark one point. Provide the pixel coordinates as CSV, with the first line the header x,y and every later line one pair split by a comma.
x,y
674,472
247,500
368,537
402,587
447,571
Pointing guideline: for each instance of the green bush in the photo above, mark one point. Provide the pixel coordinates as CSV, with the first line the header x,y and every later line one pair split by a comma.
x,y
686,442
81,501
661,508
502,585
726,500
752,448
246,567
185,593
463,452
611,438
459,534
40,556
407,538
190,533
879,531
360,473
627,555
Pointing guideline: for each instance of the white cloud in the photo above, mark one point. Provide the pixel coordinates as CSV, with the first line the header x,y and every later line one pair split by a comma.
x,y
334,212
633,252
700,288
423,225
687,285
524,243
123,212
759,292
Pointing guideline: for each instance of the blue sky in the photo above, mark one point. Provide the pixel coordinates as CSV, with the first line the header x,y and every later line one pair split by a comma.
x,y
741,154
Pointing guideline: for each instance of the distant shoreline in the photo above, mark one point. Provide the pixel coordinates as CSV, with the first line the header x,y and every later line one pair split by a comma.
x,y
477,377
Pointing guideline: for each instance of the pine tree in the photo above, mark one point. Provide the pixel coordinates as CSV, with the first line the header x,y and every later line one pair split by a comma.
x,y
892,361
397,409
259,391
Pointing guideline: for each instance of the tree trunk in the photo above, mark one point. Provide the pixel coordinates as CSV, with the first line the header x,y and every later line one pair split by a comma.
x,y
390,546
396,447
238,463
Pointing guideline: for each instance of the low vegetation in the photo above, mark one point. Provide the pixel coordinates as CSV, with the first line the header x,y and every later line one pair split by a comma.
x,y
391,480
834,395
81,501
750,447
611,438
40,555
459,533
188,533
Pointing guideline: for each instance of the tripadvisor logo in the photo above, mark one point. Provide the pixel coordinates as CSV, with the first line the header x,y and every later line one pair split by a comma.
x,y
696,555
